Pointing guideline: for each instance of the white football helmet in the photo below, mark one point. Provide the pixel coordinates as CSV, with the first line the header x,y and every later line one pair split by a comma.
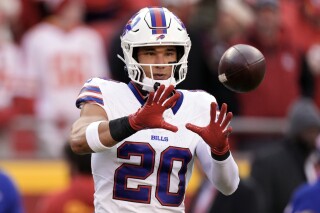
x,y
155,26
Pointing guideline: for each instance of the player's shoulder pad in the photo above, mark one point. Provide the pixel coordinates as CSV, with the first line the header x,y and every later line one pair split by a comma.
x,y
197,102
94,81
109,86
199,95
96,90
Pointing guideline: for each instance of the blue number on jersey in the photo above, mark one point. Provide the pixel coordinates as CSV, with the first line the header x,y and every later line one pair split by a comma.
x,y
168,156
142,171
143,193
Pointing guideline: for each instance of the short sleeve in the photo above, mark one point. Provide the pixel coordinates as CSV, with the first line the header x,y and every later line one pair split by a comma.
x,y
90,93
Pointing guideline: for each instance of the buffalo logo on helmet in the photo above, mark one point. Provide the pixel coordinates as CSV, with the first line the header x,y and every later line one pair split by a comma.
x,y
161,37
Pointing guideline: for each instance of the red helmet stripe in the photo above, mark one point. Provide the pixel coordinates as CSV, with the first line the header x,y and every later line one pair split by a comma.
x,y
158,21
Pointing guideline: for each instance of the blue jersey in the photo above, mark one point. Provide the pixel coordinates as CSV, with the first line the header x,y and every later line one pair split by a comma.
x,y
306,199
10,200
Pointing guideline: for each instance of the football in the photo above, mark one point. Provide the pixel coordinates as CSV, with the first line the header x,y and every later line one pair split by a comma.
x,y
242,68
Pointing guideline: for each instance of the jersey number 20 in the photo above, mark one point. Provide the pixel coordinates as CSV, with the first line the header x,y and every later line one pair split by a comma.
x,y
142,194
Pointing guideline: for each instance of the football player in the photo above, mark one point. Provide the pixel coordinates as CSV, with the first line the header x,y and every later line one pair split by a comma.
x,y
145,135
60,53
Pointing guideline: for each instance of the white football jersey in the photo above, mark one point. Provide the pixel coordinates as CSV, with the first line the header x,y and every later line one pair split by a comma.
x,y
150,170
60,62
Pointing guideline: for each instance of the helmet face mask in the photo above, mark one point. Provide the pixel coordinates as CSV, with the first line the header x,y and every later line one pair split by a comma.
x,y
155,27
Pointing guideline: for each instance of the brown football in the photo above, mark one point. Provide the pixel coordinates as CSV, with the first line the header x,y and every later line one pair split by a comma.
x,y
242,68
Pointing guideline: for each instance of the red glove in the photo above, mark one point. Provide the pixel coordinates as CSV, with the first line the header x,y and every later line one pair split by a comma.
x,y
215,134
150,115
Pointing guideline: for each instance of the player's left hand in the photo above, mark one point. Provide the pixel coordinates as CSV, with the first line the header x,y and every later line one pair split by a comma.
x,y
216,133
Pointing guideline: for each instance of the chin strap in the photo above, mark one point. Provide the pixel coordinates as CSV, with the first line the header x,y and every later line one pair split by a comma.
x,y
156,86
150,85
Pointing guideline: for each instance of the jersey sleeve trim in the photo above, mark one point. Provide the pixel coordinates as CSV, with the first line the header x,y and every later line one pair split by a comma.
x,y
90,94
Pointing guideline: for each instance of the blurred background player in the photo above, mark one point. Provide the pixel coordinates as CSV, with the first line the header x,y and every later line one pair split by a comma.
x,y
229,26
15,100
9,64
78,196
303,16
247,198
306,197
60,54
283,68
280,169
10,198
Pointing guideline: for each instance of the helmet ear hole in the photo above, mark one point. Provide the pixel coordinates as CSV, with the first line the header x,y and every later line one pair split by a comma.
x,y
180,52
135,53
177,71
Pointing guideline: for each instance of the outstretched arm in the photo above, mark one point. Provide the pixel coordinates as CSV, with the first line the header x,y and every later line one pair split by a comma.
x,y
213,152
224,175
93,132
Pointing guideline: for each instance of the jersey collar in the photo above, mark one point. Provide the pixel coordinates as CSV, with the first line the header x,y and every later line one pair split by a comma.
x,y
142,99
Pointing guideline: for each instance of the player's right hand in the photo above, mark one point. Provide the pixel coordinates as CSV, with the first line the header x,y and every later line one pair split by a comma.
x,y
150,115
